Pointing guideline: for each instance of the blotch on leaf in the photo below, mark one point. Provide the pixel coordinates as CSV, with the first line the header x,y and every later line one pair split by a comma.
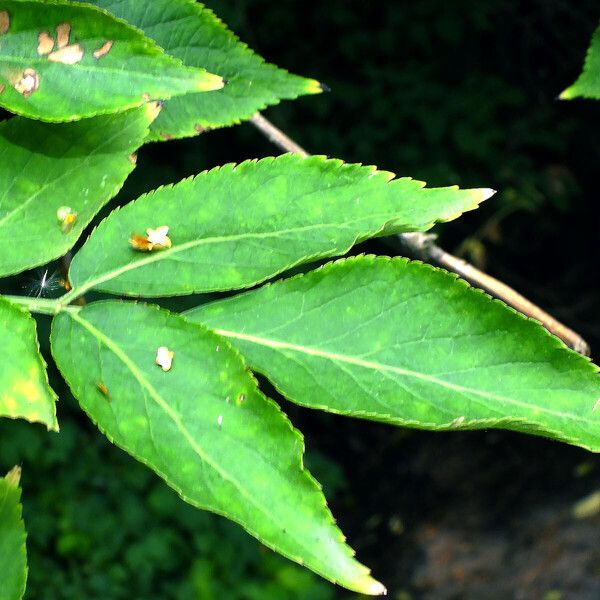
x,y
4,21
29,83
103,50
63,31
69,55
155,239
164,358
103,389
66,218
45,43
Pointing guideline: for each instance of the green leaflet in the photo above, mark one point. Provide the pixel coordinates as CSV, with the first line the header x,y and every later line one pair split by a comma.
x,y
13,555
405,343
202,40
61,61
43,167
24,389
236,226
588,83
203,426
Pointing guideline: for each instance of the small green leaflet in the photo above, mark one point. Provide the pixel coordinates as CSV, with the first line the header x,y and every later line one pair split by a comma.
x,y
61,61
191,32
24,389
588,83
74,166
13,554
201,423
405,343
236,226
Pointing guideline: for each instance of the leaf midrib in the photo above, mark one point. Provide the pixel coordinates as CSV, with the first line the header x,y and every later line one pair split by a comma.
x,y
164,254
354,360
110,70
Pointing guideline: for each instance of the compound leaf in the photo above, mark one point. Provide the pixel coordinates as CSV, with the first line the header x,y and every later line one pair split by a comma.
x,y
24,389
191,32
61,61
55,177
202,424
405,343
588,83
13,554
235,226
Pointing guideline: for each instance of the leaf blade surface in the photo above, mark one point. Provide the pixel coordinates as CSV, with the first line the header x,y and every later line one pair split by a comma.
x,y
24,389
13,555
43,167
588,82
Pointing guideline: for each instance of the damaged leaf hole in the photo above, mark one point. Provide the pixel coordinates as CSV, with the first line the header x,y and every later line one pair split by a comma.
x,y
155,239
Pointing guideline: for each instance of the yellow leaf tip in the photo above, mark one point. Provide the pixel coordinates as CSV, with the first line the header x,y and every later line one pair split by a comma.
x,y
13,477
486,193
208,82
370,586
567,94
153,108
316,87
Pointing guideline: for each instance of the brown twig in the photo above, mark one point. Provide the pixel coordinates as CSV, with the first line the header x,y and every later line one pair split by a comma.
x,y
422,246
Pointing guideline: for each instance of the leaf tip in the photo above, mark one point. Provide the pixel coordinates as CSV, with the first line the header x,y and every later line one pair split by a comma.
x,y
370,586
153,109
567,94
486,193
13,477
207,82
316,87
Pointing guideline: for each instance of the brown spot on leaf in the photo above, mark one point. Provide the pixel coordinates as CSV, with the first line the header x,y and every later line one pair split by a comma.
x,y
63,31
165,136
103,389
29,83
133,158
69,55
104,49
45,43
2,87
4,21
199,128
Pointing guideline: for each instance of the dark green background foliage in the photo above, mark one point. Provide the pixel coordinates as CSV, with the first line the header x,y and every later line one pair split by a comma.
x,y
451,92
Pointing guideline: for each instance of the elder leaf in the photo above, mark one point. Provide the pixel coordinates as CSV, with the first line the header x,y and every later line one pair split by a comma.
x,y
236,226
408,344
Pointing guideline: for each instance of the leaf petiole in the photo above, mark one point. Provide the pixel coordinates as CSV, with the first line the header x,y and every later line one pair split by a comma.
x,y
42,306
